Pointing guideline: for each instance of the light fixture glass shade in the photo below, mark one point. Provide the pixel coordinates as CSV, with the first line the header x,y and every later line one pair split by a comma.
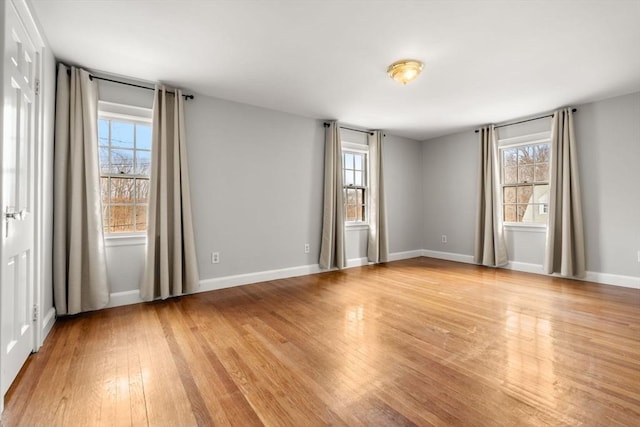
x,y
405,70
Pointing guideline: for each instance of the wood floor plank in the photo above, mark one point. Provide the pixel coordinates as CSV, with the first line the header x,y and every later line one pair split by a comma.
x,y
413,342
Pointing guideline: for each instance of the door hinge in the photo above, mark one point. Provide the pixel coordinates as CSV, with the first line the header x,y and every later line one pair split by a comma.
x,y
37,87
35,312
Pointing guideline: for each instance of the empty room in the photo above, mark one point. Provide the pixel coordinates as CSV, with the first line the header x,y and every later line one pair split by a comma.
x,y
315,212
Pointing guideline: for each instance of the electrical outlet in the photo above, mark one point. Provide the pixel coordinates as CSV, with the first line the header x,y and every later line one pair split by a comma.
x,y
307,248
215,257
444,238
638,256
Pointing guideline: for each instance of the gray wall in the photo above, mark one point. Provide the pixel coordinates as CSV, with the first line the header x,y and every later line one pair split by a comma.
x,y
608,133
256,181
449,171
403,192
608,136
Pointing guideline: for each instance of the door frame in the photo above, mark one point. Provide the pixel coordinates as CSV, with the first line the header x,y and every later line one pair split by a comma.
x,y
39,220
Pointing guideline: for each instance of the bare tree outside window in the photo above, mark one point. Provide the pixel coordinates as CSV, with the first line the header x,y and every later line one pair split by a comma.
x,y
125,165
354,181
525,183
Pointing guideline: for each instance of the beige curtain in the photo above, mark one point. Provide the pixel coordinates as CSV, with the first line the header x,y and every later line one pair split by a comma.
x,y
565,235
332,252
171,267
490,247
378,248
79,262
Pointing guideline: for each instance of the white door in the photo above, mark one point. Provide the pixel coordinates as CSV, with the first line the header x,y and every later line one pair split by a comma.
x,y
17,231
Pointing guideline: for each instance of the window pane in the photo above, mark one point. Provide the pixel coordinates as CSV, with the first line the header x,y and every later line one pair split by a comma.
x,y
520,212
510,213
103,132
509,195
540,213
121,134
524,193
143,162
122,190
541,172
348,177
121,161
358,179
525,173
143,136
510,157
511,175
541,194
105,218
104,160
348,161
121,218
142,190
358,162
542,153
141,217
104,190
525,155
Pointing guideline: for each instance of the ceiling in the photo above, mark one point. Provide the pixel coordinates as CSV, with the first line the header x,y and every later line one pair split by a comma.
x,y
485,61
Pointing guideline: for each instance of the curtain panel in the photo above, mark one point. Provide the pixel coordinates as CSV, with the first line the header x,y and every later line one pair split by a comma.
x,y
332,249
565,252
378,247
79,260
171,266
490,248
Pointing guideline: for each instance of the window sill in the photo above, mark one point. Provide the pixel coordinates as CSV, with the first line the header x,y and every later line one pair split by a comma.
x,y
129,239
356,226
530,228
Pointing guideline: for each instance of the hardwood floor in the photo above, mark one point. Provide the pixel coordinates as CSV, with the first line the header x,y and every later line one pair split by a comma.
x,y
420,341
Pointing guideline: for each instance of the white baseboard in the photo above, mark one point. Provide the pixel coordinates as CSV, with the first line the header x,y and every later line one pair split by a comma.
x,y
397,256
133,297
47,322
525,267
591,276
261,276
613,279
124,298
449,256
357,262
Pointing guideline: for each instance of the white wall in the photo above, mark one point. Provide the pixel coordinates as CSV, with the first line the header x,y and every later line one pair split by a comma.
x,y
608,144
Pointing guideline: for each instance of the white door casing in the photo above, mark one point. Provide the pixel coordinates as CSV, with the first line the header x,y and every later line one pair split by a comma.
x,y
21,75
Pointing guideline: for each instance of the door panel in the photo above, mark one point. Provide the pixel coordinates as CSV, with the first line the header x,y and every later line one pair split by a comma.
x,y
18,146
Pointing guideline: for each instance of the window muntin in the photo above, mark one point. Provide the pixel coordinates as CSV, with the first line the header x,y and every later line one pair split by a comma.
x,y
354,167
124,145
525,182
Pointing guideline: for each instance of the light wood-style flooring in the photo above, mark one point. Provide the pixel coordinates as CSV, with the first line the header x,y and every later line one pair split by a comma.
x,y
414,342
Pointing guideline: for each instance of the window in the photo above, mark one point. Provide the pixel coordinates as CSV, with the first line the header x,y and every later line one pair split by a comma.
x,y
124,143
525,182
354,166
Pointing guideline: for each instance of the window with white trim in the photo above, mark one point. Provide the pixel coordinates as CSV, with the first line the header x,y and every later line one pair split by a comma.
x,y
354,167
525,182
124,143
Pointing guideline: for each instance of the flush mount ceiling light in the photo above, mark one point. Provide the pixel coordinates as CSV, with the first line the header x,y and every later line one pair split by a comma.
x,y
405,70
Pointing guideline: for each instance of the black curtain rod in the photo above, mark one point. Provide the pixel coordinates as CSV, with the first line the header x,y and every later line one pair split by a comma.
x,y
91,76
346,128
528,120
